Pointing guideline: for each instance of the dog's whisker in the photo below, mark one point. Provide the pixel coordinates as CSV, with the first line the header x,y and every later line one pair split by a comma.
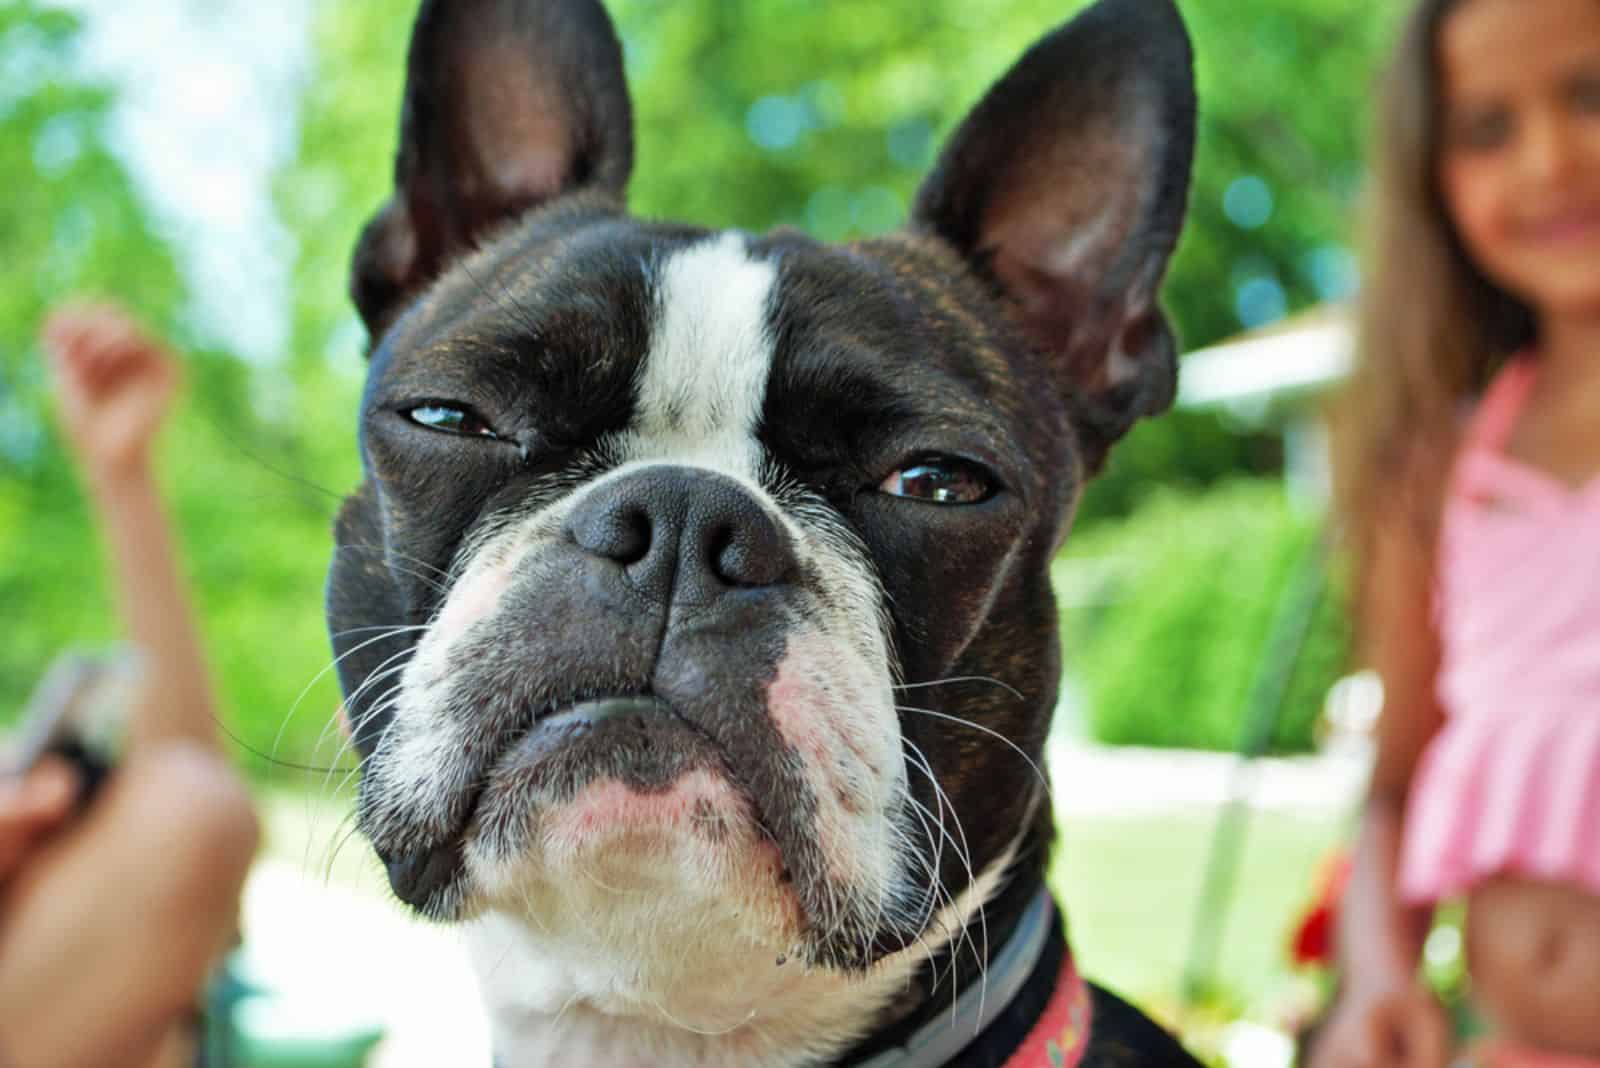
x,y
717,1033
934,894
244,744
616,890
532,914
936,845
964,854
385,670
348,743
376,675
565,1005
325,795
927,903
278,738
919,760
393,559
1012,690
935,889
1038,773
346,823
963,851
333,854
929,863
348,778
390,627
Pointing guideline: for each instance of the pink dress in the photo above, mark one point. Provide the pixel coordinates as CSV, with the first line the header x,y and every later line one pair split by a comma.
x,y
1511,783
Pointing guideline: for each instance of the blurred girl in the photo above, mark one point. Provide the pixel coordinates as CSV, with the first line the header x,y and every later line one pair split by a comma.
x,y
111,915
1471,478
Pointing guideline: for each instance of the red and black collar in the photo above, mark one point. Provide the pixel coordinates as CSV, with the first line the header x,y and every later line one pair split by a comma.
x,y
1034,1011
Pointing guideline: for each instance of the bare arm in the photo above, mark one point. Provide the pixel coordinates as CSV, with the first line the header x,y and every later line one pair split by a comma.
x,y
1385,1018
1381,938
176,692
114,387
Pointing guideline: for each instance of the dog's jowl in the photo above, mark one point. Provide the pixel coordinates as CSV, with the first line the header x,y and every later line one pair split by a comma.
x,y
694,613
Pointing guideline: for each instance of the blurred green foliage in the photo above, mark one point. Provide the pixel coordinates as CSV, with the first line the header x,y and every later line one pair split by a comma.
x,y
751,114
780,112
255,532
1168,614
75,226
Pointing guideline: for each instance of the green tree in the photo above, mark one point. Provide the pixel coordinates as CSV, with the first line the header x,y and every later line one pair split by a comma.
x,y
752,114
255,533
76,226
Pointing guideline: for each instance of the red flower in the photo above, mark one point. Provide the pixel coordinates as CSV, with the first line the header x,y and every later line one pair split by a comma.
x,y
1313,943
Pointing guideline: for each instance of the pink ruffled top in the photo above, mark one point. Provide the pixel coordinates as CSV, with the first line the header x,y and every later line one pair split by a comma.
x,y
1511,783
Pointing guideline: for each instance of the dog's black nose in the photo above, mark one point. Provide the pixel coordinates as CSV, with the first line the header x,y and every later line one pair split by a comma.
x,y
683,534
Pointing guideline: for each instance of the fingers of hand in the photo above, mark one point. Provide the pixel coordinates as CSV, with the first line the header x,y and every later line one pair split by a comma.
x,y
32,805
1344,1041
95,347
1409,1030
1430,1038
44,794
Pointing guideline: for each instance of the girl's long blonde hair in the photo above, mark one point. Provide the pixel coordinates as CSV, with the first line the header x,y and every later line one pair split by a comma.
x,y
1432,328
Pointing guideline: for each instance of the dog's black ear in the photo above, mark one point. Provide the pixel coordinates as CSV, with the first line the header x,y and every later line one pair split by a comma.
x,y
508,104
1066,188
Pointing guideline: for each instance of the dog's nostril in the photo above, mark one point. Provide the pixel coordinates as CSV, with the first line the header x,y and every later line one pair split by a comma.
x,y
754,553
633,543
622,533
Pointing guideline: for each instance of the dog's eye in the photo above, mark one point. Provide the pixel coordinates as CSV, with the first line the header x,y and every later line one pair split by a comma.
x,y
450,420
941,480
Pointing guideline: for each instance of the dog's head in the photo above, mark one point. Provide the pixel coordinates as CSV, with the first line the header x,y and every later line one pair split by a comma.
x,y
716,564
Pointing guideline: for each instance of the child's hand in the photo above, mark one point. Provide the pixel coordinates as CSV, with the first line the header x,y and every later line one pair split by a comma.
x,y
30,808
114,384
1404,1027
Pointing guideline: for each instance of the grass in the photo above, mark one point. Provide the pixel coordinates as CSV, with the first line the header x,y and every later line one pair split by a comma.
x,y
1131,886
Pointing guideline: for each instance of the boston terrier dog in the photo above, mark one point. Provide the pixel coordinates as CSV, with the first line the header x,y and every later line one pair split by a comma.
x,y
694,614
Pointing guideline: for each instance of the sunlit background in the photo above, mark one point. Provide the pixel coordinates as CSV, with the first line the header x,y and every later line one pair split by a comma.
x,y
209,162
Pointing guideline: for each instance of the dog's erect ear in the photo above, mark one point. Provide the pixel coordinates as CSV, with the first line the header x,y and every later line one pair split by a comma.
x,y
508,104
1066,188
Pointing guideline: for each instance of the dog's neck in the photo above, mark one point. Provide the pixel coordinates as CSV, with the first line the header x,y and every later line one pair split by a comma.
x,y
976,1014
966,962
970,987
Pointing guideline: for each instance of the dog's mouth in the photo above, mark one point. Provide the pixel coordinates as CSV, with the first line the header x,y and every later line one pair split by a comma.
x,y
550,751
566,718
594,710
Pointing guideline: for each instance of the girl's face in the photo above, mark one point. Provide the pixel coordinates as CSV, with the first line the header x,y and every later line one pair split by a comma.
x,y
1519,163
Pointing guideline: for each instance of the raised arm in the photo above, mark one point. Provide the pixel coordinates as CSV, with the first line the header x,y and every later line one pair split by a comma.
x,y
114,388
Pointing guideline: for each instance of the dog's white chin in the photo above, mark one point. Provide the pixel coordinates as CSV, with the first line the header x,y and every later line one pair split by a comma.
x,y
680,973
658,957
646,984
627,896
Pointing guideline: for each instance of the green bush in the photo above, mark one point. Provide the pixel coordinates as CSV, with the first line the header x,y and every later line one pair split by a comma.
x,y
1167,615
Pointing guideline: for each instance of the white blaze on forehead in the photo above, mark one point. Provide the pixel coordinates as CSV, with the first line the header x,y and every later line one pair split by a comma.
x,y
705,376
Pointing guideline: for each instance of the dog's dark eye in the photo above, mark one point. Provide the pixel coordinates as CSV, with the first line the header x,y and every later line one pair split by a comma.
x,y
941,480
450,420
